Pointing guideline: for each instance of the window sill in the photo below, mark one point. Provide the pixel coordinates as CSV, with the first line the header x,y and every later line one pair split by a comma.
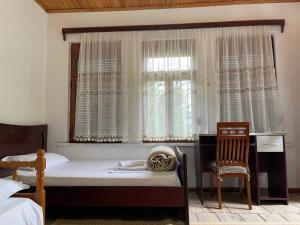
x,y
180,144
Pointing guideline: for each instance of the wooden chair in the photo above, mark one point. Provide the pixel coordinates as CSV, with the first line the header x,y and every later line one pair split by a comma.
x,y
232,150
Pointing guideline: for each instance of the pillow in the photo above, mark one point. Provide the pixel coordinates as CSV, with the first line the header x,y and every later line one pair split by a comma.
x,y
52,159
10,187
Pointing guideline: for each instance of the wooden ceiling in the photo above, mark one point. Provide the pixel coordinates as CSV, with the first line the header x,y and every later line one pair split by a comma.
x,y
61,6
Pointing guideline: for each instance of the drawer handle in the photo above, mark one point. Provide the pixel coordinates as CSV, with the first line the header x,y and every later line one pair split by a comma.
x,y
272,144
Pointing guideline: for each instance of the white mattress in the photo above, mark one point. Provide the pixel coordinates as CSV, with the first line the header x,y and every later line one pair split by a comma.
x,y
20,211
99,173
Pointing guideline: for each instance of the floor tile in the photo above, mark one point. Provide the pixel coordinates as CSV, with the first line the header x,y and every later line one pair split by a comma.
x,y
269,217
276,209
242,208
193,218
207,217
229,217
291,217
212,207
251,217
196,209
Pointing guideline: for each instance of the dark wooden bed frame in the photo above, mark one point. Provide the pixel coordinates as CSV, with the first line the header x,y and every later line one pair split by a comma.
x,y
16,140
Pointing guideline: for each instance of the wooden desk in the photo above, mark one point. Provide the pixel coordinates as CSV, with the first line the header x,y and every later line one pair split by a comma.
x,y
266,154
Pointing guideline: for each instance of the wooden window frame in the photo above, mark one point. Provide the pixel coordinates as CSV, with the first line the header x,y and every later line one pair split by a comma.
x,y
75,48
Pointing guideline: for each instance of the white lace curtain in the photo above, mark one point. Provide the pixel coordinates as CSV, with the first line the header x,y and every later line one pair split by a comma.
x,y
169,85
98,101
247,79
109,88
169,66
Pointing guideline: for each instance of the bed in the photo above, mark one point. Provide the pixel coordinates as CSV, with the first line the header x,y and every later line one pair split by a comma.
x,y
29,207
98,191
20,211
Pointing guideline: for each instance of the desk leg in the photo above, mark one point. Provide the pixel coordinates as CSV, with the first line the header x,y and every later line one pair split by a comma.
x,y
201,183
199,187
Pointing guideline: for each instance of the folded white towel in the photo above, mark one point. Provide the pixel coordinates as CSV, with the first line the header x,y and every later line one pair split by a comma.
x,y
131,165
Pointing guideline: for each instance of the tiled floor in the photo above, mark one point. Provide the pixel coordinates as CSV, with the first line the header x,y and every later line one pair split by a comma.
x,y
235,210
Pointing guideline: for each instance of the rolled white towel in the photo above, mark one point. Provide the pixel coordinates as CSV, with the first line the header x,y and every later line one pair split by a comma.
x,y
162,159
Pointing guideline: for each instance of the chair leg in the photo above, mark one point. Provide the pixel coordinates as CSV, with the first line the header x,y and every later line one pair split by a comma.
x,y
219,193
241,186
211,183
249,193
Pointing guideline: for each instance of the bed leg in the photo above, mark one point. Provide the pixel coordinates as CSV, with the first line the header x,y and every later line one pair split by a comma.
x,y
186,216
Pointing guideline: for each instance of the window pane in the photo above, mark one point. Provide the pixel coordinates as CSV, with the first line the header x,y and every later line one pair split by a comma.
x,y
155,108
168,64
182,108
171,64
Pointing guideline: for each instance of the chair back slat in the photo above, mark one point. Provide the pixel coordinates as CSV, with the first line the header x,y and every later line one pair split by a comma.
x,y
233,150
247,153
242,150
226,150
232,143
220,154
238,150
229,149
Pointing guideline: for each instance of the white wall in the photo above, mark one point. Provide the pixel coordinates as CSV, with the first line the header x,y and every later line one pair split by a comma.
x,y
22,62
287,54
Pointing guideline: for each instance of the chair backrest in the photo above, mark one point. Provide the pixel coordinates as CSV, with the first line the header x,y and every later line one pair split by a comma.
x,y
232,144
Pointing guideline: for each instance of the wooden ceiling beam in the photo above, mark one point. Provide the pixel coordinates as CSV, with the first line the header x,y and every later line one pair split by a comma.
x,y
276,22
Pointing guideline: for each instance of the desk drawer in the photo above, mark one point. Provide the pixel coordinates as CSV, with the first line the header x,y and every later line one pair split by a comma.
x,y
269,143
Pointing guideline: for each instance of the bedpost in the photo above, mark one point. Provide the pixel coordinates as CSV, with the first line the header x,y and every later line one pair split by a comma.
x,y
186,209
182,172
40,194
14,173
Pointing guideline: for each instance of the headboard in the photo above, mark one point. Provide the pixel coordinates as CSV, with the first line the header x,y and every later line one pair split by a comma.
x,y
18,139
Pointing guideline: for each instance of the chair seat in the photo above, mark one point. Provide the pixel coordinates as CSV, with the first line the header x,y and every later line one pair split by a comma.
x,y
227,169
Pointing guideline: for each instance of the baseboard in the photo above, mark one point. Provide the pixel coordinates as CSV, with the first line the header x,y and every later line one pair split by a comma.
x,y
232,189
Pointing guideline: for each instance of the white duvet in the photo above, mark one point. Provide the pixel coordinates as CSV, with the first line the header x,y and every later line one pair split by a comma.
x,y
99,173
20,211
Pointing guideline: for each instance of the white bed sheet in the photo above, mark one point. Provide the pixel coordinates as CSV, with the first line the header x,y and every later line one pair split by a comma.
x,y
20,211
99,173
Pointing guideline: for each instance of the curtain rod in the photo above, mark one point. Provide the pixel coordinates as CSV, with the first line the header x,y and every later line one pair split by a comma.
x,y
276,22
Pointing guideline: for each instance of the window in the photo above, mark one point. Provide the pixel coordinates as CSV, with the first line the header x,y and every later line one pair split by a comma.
x,y
168,71
96,98
248,87
167,105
